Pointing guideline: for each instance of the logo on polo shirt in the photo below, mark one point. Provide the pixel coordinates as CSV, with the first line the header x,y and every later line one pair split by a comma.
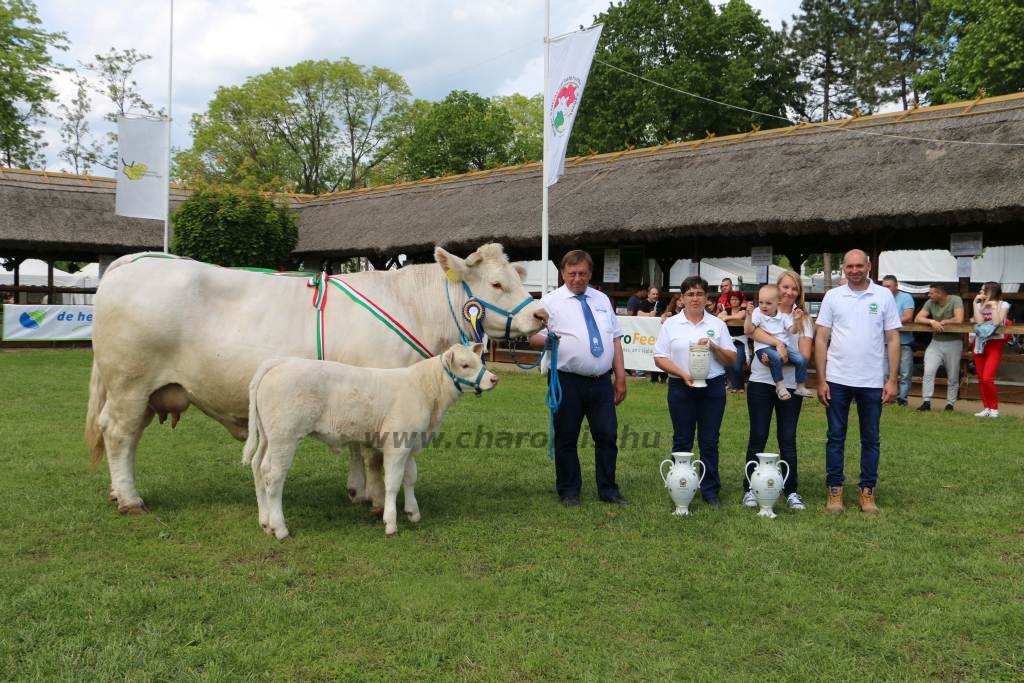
x,y
872,309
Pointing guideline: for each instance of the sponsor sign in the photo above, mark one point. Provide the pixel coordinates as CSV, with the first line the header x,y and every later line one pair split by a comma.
x,y
47,323
638,336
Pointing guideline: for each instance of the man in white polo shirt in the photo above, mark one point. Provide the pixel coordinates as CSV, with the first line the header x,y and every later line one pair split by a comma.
x,y
857,327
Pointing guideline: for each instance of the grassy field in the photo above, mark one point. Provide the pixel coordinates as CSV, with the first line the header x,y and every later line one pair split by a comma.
x,y
499,582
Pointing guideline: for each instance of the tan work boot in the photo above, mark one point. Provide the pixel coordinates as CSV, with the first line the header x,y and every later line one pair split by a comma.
x,y
867,500
834,503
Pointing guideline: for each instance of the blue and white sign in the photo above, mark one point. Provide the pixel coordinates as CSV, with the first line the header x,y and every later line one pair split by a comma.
x,y
47,323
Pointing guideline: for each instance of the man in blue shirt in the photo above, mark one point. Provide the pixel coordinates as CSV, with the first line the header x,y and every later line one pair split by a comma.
x,y
905,310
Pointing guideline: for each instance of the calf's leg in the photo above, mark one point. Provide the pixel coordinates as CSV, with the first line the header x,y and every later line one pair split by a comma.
x,y
412,508
275,465
394,472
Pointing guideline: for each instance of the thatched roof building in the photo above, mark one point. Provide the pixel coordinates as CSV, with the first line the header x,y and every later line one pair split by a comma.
x,y
876,182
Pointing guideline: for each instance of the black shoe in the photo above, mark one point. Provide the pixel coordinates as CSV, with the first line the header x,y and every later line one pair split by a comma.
x,y
617,499
571,501
901,402
924,407
711,499
948,408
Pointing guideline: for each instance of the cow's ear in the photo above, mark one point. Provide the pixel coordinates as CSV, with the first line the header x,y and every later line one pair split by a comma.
x,y
454,267
448,358
478,349
521,269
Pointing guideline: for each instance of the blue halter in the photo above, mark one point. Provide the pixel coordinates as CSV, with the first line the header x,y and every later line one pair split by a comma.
x,y
497,309
458,381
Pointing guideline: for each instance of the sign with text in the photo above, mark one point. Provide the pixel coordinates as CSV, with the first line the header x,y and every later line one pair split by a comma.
x,y
612,265
638,336
47,323
966,244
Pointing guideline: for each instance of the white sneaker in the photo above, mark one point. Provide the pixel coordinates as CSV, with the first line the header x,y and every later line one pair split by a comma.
x,y
749,500
993,413
795,502
984,413
805,392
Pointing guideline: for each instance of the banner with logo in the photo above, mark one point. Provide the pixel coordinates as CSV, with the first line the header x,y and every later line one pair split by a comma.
x,y
141,182
47,323
638,336
569,59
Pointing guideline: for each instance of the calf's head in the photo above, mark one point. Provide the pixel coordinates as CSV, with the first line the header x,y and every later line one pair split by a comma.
x,y
488,276
464,366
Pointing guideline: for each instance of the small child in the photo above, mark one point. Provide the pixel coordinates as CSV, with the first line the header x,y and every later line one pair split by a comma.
x,y
767,317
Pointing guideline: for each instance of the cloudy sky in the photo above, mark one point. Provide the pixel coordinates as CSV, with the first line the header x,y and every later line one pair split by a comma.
x,y
491,47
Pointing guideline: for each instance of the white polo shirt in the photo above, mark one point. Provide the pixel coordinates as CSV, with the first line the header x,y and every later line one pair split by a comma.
x,y
565,318
859,321
677,333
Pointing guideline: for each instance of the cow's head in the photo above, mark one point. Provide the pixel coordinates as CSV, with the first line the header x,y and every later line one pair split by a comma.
x,y
511,311
465,366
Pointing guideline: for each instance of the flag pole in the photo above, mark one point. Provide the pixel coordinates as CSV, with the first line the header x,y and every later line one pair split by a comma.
x,y
167,157
544,227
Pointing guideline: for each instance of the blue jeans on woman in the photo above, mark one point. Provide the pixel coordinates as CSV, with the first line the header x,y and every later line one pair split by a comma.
x,y
735,372
761,401
869,411
699,410
796,359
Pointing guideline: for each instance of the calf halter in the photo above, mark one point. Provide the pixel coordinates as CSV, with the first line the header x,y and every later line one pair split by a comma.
x,y
459,381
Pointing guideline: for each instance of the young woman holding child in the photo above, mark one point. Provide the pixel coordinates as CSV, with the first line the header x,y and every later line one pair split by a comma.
x,y
763,396
989,308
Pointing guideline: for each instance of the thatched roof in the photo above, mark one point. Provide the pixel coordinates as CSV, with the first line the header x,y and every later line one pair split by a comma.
x,y
71,216
863,182
814,188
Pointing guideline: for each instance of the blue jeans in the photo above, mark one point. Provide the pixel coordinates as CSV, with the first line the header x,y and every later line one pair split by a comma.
x,y
906,366
701,410
593,398
869,411
761,401
735,372
796,359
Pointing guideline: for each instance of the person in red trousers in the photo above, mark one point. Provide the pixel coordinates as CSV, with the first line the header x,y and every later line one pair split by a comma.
x,y
990,308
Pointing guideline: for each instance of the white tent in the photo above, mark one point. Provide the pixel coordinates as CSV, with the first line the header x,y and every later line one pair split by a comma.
x,y
534,279
714,270
33,273
1004,265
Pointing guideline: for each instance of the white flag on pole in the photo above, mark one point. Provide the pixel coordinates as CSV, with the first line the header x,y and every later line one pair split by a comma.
x,y
569,59
141,179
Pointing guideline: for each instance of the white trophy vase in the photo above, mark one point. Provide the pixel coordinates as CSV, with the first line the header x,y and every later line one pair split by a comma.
x,y
681,480
700,363
766,481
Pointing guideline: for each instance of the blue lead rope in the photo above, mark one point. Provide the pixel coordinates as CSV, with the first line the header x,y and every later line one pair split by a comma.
x,y
554,396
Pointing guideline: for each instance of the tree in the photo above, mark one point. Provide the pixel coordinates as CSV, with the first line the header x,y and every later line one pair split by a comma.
x,y
235,228
312,127
461,133
685,45
26,68
895,31
79,151
114,72
826,39
972,46
527,115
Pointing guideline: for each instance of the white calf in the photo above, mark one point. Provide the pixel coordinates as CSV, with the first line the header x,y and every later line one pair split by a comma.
x,y
389,412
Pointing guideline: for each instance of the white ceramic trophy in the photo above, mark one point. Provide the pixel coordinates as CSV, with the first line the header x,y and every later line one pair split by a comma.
x,y
766,482
681,480
700,363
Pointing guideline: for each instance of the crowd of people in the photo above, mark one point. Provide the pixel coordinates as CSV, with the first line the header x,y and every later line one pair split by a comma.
x,y
859,352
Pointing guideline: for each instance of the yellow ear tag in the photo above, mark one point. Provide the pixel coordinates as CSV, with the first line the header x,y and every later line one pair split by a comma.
x,y
452,275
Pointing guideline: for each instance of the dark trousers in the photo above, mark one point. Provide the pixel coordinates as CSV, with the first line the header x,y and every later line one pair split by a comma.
x,y
735,372
761,402
869,411
701,411
593,398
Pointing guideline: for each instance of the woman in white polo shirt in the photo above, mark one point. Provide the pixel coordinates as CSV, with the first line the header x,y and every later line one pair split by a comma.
x,y
690,408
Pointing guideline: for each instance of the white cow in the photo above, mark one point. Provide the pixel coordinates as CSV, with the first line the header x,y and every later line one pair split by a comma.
x,y
389,412
171,332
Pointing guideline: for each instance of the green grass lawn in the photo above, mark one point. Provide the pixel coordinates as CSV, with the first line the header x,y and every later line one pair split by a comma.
x,y
500,582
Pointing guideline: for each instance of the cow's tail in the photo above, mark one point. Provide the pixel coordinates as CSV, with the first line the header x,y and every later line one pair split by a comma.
x,y
97,399
255,443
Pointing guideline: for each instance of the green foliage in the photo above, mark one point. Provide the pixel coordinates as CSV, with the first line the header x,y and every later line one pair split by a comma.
x,y
974,47
499,582
730,55
312,128
235,228
79,150
26,68
461,133
527,114
892,40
